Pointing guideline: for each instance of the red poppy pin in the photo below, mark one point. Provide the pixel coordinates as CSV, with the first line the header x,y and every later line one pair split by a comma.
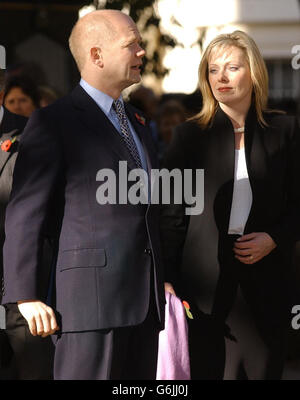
x,y
6,144
141,119
187,309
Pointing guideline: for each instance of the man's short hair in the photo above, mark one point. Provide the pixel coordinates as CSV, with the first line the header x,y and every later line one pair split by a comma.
x,y
2,79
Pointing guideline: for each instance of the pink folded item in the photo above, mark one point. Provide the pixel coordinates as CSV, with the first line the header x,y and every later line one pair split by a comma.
x,y
173,352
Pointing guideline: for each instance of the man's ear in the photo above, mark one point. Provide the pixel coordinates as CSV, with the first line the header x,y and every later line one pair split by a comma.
x,y
96,56
1,97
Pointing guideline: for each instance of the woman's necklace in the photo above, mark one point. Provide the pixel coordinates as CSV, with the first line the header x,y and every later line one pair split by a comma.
x,y
239,130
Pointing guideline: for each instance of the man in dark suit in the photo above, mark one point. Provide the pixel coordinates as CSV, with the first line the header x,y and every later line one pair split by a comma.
x,y
108,292
22,356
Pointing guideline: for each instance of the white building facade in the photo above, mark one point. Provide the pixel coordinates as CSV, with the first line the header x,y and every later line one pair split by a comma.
x,y
273,24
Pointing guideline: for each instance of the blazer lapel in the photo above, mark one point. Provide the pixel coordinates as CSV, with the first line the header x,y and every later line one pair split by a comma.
x,y
96,121
255,153
7,124
5,155
223,135
221,161
257,163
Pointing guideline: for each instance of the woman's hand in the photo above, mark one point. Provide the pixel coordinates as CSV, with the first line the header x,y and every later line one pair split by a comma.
x,y
253,247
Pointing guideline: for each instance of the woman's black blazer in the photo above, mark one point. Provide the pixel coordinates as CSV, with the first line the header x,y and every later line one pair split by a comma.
x,y
190,244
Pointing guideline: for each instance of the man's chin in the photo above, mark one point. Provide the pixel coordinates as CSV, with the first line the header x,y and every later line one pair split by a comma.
x,y
132,80
136,77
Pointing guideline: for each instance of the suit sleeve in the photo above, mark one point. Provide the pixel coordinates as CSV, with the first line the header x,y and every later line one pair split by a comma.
x,y
35,175
174,222
287,230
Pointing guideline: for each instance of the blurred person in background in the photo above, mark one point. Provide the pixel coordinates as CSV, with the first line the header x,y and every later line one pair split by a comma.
x,y
47,95
145,99
170,114
22,356
233,261
21,95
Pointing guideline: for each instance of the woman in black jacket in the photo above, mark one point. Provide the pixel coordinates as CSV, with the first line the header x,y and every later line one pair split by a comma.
x,y
233,260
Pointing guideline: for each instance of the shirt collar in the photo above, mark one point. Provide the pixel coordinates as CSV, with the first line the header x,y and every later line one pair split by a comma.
x,y
103,100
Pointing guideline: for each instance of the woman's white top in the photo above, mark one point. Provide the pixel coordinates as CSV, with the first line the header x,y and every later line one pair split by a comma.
x,y
242,195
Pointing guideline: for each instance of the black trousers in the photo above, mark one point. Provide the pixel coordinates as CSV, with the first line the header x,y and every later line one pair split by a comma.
x,y
128,353
254,300
26,357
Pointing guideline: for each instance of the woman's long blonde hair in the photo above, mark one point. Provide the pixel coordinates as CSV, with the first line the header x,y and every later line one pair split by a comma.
x,y
258,70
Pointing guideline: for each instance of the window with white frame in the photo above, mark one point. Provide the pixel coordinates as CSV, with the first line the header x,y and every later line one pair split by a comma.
x,y
284,81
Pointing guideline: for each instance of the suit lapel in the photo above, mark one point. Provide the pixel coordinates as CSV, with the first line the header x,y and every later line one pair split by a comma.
x,y
222,160
5,155
7,123
96,121
257,163
255,153
223,136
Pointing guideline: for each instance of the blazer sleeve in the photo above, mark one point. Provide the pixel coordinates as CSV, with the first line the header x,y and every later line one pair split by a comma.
x,y
174,222
35,175
287,231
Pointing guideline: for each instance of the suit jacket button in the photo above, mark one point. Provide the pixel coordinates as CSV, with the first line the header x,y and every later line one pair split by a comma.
x,y
147,251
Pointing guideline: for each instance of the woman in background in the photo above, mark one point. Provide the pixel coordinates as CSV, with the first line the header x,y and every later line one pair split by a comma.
x,y
233,261
21,96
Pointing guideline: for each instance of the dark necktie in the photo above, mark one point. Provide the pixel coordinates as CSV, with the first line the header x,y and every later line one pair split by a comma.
x,y
125,132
